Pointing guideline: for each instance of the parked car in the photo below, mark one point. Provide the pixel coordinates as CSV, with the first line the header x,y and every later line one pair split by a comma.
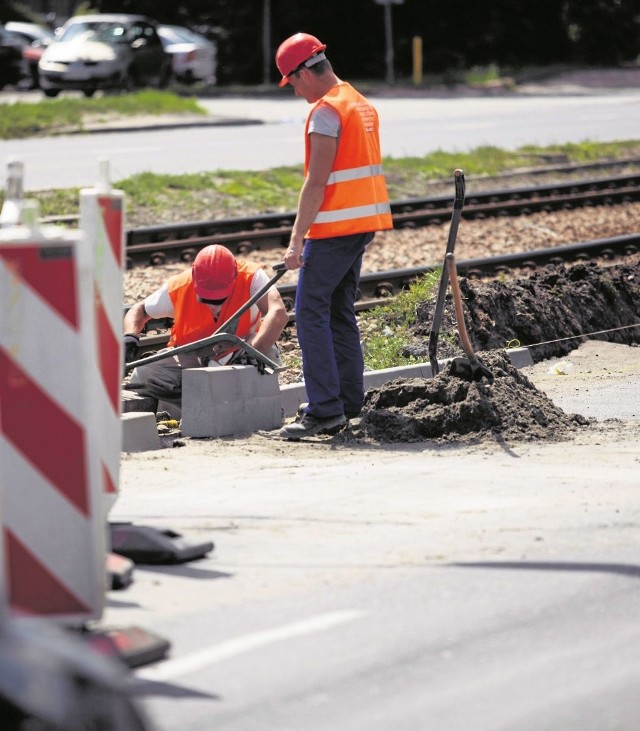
x,y
10,58
104,51
35,38
193,57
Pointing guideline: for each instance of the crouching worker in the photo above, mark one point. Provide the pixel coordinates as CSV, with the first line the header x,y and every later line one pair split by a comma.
x,y
199,301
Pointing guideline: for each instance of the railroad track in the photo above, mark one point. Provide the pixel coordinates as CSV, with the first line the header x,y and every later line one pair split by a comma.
x,y
376,288
157,245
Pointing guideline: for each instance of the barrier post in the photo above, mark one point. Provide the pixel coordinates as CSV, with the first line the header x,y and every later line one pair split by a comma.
x,y
102,221
3,589
53,521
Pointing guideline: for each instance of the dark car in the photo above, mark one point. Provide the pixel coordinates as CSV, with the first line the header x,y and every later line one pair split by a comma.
x,y
10,59
104,51
35,39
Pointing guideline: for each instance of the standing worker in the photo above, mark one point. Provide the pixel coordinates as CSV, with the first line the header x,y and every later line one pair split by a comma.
x,y
342,203
199,300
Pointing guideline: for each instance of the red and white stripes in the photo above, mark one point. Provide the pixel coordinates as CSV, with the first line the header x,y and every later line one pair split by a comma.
x,y
53,524
102,220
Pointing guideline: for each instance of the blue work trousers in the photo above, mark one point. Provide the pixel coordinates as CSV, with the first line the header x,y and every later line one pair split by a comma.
x,y
332,361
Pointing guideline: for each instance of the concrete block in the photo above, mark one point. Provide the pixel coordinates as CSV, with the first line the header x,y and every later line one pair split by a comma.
x,y
227,401
133,401
292,395
139,432
372,379
520,357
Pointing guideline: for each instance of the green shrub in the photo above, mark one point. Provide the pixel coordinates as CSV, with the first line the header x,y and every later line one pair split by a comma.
x,y
384,328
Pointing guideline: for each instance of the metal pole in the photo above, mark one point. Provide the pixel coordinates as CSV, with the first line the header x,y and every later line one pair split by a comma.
x,y
388,30
266,41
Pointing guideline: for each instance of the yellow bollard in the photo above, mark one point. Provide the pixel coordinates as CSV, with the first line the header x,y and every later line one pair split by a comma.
x,y
417,60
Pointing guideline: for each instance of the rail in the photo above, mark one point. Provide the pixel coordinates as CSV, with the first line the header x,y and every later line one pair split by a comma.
x,y
161,244
376,288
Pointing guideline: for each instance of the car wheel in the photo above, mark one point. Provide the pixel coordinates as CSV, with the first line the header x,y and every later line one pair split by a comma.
x,y
51,92
165,76
34,75
89,92
128,82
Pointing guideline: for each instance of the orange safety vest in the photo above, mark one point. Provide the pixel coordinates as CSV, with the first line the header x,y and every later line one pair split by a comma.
x,y
356,198
192,320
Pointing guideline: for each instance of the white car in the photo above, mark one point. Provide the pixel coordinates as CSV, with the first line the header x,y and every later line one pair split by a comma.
x,y
193,57
104,51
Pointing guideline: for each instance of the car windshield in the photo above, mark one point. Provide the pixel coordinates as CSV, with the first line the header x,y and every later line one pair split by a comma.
x,y
30,32
175,34
101,31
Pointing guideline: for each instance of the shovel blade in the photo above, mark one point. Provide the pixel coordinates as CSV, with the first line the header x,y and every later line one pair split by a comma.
x,y
470,370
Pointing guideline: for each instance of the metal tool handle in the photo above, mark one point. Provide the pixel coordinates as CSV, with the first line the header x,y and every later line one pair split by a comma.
x,y
458,203
232,323
280,270
458,178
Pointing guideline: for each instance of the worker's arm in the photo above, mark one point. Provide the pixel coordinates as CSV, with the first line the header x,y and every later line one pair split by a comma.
x,y
134,321
321,156
274,319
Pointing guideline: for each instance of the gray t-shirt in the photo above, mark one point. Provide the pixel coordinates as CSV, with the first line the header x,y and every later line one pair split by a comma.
x,y
325,120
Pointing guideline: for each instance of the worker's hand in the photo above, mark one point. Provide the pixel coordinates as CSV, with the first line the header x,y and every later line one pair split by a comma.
x,y
241,357
131,347
293,257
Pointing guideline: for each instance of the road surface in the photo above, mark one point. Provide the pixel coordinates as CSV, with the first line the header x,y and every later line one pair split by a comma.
x,y
409,126
400,587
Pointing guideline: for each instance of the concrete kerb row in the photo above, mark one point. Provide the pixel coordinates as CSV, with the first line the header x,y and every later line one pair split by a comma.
x,y
237,400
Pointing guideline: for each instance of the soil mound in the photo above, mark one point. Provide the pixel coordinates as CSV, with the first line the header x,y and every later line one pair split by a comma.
x,y
449,409
551,312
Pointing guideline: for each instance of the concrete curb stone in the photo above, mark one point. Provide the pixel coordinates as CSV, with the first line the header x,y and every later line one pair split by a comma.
x,y
139,435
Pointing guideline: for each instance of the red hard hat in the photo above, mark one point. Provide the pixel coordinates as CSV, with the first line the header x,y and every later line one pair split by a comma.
x,y
214,272
296,50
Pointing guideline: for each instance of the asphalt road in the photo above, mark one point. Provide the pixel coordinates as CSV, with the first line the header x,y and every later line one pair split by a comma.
x,y
400,587
256,134
409,591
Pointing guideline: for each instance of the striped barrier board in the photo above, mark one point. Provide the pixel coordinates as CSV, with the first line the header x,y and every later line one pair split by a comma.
x,y
3,589
53,524
102,221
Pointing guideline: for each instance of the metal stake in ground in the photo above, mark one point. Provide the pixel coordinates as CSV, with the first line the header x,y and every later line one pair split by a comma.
x,y
469,368
458,203
225,333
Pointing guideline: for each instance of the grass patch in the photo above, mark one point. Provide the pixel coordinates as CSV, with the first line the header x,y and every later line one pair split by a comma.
x,y
147,101
22,120
405,174
384,329
190,197
268,190
480,75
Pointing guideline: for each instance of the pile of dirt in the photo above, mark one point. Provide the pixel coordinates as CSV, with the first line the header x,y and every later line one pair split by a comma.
x,y
449,409
551,312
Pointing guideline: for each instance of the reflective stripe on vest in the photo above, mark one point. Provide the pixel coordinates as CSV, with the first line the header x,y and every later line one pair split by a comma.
x,y
345,214
366,171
